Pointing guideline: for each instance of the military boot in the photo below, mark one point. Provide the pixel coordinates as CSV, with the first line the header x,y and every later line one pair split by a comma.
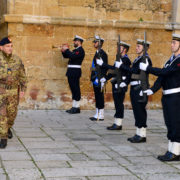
x,y
73,110
169,156
3,143
114,127
137,139
173,153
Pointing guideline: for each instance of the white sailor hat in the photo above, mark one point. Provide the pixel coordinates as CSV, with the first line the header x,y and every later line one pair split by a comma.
x,y
97,38
124,44
176,37
76,37
141,41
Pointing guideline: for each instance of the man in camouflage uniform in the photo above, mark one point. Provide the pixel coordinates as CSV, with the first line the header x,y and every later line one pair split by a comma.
x,y
12,87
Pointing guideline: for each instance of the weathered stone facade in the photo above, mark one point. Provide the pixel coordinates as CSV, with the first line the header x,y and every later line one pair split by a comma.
x,y
36,25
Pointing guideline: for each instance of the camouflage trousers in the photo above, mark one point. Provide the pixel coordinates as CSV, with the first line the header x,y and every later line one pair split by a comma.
x,y
8,111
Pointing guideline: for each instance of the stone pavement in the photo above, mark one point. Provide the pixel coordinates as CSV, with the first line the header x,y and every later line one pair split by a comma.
x,y
54,145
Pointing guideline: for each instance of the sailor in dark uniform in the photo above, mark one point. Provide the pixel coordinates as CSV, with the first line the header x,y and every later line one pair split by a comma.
x,y
74,71
98,80
169,80
139,108
118,94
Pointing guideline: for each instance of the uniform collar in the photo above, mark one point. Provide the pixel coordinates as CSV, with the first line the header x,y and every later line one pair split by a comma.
x,y
6,56
176,56
173,57
77,47
139,57
171,60
125,55
98,50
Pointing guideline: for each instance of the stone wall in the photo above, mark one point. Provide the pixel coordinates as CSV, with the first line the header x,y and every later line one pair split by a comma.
x,y
3,7
37,25
128,10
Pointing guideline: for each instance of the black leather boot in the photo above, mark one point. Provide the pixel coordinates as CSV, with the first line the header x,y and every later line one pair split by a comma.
x,y
3,143
169,156
93,119
114,127
10,134
73,110
69,110
161,156
137,139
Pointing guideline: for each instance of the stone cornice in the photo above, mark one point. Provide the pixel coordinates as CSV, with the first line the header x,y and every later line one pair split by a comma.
x,y
30,19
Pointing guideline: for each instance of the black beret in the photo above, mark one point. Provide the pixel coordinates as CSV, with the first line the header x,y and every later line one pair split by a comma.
x,y
5,40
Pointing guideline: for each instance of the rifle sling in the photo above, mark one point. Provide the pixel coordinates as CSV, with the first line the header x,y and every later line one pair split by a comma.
x,y
135,76
111,71
92,69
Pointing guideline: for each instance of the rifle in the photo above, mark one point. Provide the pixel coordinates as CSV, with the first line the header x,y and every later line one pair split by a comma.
x,y
98,68
143,75
117,70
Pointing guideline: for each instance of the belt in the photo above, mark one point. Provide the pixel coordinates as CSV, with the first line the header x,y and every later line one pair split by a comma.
x,y
8,87
171,91
133,83
74,66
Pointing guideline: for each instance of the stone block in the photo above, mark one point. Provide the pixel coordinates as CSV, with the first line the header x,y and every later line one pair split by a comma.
x,y
23,8
78,157
131,15
124,177
11,18
166,7
152,169
51,157
52,164
113,15
102,163
91,171
49,9
38,44
18,164
28,173
94,13
97,155
15,156
38,30
75,12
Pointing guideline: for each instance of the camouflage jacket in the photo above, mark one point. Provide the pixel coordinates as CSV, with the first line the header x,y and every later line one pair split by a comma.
x,y
12,66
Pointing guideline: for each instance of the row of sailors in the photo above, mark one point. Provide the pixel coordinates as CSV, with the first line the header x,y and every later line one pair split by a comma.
x,y
168,79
